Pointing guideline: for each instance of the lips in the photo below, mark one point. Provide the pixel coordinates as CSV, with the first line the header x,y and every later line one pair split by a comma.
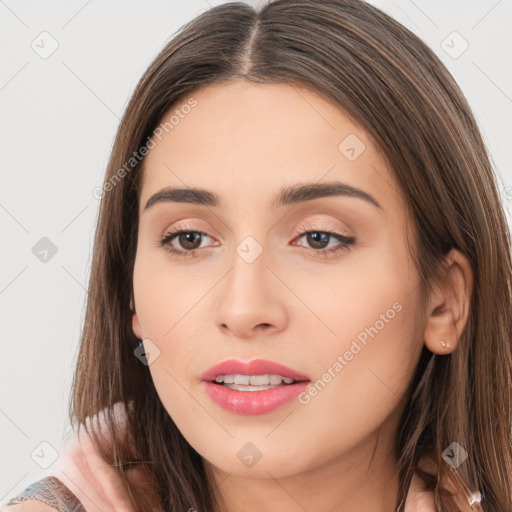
x,y
254,367
253,402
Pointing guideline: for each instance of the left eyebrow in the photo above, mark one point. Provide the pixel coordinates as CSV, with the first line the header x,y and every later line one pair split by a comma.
x,y
310,191
287,196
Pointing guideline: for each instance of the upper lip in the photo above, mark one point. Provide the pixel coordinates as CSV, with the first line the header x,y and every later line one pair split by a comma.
x,y
254,367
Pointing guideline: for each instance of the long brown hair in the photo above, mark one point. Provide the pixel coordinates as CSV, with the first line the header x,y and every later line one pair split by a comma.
x,y
396,89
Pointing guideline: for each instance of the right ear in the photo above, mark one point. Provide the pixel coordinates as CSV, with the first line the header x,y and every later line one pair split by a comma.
x,y
136,326
135,319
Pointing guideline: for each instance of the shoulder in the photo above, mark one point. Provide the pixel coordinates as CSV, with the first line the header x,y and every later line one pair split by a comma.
x,y
45,495
28,506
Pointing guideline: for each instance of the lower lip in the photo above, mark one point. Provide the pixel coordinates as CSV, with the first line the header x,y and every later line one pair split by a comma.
x,y
253,402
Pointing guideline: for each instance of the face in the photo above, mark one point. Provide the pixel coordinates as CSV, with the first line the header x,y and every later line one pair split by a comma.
x,y
321,282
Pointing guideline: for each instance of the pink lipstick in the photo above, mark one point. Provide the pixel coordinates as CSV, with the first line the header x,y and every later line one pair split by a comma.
x,y
255,387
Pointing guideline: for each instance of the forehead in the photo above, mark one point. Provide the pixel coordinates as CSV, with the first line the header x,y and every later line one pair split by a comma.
x,y
241,138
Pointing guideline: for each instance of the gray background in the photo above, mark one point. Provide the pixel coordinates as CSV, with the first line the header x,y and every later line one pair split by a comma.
x,y
58,117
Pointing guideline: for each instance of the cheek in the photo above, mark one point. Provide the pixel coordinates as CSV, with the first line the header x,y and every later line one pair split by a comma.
x,y
364,296
365,338
171,315
362,377
168,297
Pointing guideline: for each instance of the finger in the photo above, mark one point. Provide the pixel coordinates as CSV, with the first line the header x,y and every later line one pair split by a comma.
x,y
85,471
74,473
107,478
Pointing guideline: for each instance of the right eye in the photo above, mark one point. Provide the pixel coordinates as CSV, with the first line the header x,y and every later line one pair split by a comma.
x,y
188,239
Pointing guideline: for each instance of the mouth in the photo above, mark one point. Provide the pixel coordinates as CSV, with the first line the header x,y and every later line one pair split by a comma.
x,y
241,382
253,387
252,375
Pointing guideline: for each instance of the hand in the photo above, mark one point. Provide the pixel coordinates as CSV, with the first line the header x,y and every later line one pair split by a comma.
x,y
94,482
419,500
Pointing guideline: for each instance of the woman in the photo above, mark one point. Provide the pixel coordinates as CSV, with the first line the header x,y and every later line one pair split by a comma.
x,y
304,185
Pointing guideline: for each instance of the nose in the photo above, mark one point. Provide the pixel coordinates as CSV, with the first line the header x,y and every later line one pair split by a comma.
x,y
251,300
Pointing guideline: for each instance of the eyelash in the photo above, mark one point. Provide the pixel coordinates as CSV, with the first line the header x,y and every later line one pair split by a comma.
x,y
346,241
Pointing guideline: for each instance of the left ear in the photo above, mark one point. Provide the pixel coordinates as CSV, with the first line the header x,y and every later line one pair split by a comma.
x,y
448,306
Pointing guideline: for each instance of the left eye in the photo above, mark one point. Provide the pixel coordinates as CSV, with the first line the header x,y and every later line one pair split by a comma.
x,y
319,237
190,241
320,241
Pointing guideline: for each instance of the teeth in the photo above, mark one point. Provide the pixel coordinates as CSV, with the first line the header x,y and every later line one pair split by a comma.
x,y
240,387
275,379
259,380
253,380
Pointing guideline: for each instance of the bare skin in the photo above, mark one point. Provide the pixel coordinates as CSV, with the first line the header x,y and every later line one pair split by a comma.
x,y
96,484
245,142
